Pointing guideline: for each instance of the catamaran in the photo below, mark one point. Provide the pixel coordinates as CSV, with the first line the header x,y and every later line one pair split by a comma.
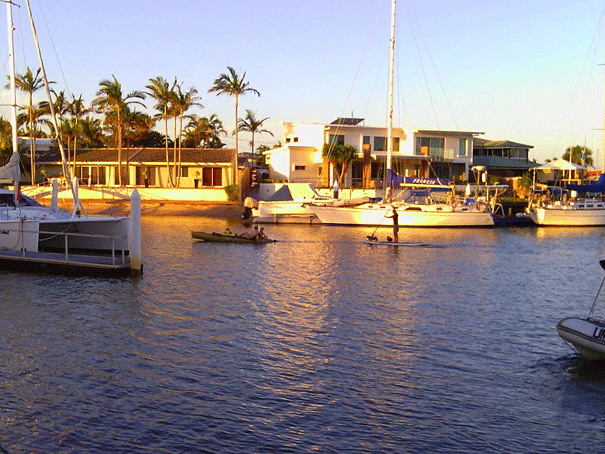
x,y
28,226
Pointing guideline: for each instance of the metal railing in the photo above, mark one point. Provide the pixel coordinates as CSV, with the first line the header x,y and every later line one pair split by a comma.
x,y
118,255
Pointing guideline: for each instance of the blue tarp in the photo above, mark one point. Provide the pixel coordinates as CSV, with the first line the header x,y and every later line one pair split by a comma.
x,y
395,180
599,186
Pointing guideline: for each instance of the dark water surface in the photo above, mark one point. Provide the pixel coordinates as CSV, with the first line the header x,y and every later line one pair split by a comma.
x,y
315,343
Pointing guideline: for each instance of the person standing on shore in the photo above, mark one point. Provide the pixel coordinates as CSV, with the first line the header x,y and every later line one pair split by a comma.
x,y
395,217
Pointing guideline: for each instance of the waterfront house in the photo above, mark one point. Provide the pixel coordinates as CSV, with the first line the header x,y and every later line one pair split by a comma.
x,y
502,158
207,170
422,153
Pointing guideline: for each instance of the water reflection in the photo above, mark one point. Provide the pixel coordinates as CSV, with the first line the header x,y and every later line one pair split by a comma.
x,y
317,342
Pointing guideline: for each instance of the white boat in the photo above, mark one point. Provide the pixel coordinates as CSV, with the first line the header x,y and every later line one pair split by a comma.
x,y
292,204
28,226
585,335
410,215
564,207
452,214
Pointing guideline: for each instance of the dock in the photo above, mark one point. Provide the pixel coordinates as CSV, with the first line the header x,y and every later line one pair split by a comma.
x,y
73,264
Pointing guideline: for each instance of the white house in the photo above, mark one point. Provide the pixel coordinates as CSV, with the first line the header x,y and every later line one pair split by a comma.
x,y
426,153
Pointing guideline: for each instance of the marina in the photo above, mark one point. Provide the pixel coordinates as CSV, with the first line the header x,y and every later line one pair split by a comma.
x,y
318,342
414,286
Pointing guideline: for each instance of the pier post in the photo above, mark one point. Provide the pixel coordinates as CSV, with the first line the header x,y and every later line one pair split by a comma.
x,y
54,201
136,266
76,186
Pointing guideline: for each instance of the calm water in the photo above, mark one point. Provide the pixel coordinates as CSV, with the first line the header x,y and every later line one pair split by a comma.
x,y
315,343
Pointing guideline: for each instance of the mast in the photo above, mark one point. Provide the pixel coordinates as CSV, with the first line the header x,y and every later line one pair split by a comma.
x,y
603,143
390,100
13,89
77,202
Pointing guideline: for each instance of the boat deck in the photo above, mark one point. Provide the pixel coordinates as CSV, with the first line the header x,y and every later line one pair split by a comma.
x,y
70,264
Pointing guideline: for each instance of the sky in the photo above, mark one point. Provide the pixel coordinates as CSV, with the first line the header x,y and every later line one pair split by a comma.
x,y
513,70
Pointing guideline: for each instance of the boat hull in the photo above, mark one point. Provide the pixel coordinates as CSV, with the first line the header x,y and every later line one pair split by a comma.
x,y
81,234
376,215
586,336
218,238
567,216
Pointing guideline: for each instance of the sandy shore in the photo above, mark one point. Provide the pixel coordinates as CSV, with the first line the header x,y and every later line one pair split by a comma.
x,y
211,210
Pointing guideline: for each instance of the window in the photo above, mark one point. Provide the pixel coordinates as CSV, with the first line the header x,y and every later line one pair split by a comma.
x,y
462,147
116,175
297,167
295,139
288,140
185,172
212,176
395,143
380,143
430,146
336,139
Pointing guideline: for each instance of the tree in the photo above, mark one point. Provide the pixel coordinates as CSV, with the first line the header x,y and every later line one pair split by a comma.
x,y
111,100
92,132
6,141
77,110
30,83
204,132
161,91
252,125
181,103
339,156
579,155
232,84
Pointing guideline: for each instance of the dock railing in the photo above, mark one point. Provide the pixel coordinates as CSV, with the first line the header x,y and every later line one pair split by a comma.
x,y
118,255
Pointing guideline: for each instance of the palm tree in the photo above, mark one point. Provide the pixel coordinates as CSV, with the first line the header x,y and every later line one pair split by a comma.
x,y
77,110
161,91
92,132
252,125
181,103
233,85
579,155
111,100
30,83
204,132
6,141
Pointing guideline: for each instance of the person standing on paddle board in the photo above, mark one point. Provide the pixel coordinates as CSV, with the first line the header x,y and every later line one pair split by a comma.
x,y
395,217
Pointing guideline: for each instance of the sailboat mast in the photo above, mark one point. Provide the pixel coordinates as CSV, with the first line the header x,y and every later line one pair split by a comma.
x,y
390,96
13,85
66,173
603,143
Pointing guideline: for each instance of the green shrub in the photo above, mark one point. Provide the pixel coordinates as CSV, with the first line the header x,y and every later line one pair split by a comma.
x,y
232,192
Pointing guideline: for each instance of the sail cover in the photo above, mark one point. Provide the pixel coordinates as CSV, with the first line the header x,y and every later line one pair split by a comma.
x,y
10,172
395,180
599,186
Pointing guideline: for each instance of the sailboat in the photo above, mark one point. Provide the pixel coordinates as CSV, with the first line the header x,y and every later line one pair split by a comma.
x,y
25,225
564,206
452,212
585,335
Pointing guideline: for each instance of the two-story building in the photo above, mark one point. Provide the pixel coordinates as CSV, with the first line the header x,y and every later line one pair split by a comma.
x,y
423,153
502,158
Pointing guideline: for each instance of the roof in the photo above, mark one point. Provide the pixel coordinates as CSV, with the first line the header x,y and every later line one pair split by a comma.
x,y
560,164
502,163
439,132
499,144
144,155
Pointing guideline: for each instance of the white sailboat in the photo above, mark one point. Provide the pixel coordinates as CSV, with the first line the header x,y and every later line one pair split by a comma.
x,y
564,207
585,335
453,214
28,226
